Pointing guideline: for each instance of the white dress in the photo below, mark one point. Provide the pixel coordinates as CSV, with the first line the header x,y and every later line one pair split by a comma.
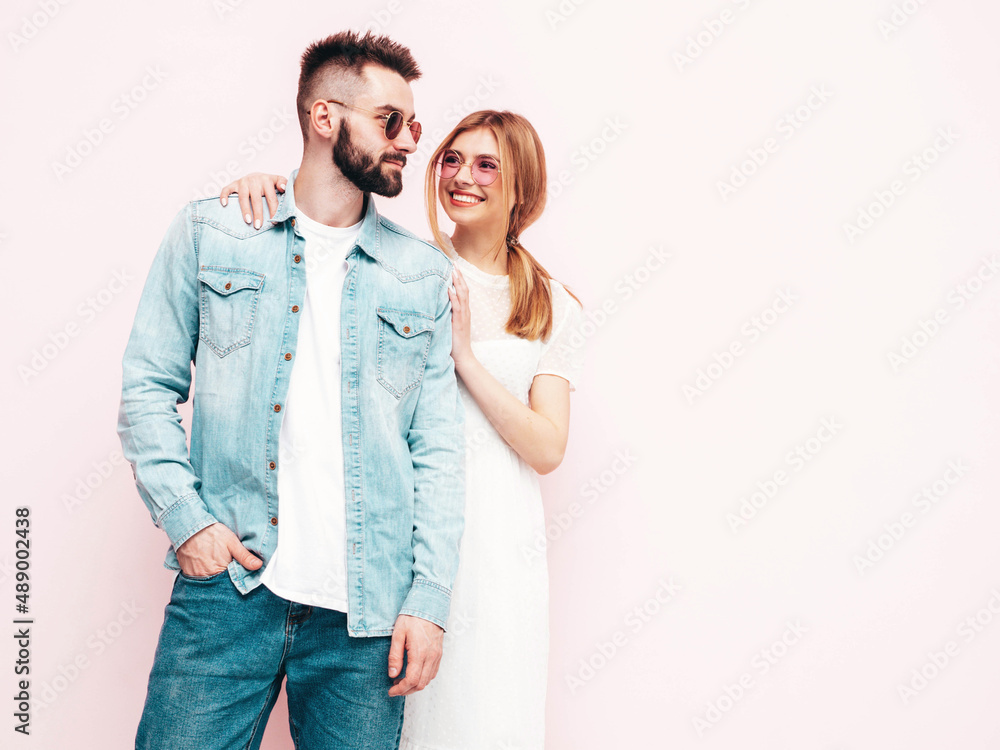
x,y
489,692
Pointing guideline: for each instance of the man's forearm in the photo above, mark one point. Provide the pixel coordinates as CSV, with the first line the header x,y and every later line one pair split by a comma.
x,y
439,505
156,376
437,449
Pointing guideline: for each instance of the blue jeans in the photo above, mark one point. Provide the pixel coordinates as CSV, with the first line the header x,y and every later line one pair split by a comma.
x,y
222,656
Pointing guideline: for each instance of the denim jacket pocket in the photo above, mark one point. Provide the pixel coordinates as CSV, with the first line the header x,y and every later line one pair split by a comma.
x,y
228,302
404,337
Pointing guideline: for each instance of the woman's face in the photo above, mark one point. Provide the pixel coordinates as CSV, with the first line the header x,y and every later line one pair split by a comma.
x,y
466,202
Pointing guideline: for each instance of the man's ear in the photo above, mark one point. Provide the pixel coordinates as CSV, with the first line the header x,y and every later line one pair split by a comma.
x,y
322,119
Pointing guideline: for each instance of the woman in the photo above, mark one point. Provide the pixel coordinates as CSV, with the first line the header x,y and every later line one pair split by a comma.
x,y
517,361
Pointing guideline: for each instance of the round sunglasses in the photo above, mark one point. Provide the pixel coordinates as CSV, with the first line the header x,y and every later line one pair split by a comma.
x,y
484,169
394,121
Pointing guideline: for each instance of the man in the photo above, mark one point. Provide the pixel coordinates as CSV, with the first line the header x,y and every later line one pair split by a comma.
x,y
326,332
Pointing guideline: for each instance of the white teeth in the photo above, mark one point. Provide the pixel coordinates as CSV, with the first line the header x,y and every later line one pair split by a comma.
x,y
466,198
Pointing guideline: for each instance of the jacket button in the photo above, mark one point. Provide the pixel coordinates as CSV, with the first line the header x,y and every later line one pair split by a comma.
x,y
272,464
288,356
228,285
298,258
295,308
293,221
277,407
406,329
274,520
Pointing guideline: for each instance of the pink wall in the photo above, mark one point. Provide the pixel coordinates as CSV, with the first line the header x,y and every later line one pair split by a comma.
x,y
794,162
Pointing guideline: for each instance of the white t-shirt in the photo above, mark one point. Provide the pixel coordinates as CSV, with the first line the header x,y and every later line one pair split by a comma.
x,y
309,565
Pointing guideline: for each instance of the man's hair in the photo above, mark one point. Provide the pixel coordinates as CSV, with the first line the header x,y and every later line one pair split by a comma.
x,y
338,62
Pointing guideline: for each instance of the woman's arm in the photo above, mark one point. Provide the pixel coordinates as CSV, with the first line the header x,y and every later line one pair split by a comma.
x,y
250,189
538,433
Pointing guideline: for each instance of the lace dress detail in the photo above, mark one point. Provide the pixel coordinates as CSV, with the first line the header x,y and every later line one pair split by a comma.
x,y
489,693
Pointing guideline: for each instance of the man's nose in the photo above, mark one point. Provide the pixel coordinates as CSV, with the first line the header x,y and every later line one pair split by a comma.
x,y
404,141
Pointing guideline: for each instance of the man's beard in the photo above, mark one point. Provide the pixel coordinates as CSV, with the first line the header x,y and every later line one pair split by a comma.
x,y
362,170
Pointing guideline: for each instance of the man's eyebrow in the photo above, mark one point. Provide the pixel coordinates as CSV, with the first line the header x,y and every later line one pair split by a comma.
x,y
387,108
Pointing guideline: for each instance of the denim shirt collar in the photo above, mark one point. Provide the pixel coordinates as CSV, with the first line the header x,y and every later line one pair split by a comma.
x,y
368,235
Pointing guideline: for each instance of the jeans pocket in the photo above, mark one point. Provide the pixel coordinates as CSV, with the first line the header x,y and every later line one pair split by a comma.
x,y
229,299
404,338
203,579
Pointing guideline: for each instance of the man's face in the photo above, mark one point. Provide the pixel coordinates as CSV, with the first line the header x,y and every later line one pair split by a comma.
x,y
363,154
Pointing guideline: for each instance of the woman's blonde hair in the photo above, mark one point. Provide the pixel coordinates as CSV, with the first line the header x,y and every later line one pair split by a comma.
x,y
522,164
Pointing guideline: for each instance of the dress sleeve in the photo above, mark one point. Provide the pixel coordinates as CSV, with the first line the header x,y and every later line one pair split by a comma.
x,y
562,354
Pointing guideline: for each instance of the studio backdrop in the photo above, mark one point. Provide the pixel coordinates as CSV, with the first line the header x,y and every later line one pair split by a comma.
x,y
776,522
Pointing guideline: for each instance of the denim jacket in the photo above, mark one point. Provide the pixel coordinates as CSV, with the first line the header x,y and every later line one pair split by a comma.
x,y
226,296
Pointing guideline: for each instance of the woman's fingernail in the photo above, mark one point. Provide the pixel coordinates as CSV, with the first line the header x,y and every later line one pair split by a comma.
x,y
225,202
281,186
256,224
